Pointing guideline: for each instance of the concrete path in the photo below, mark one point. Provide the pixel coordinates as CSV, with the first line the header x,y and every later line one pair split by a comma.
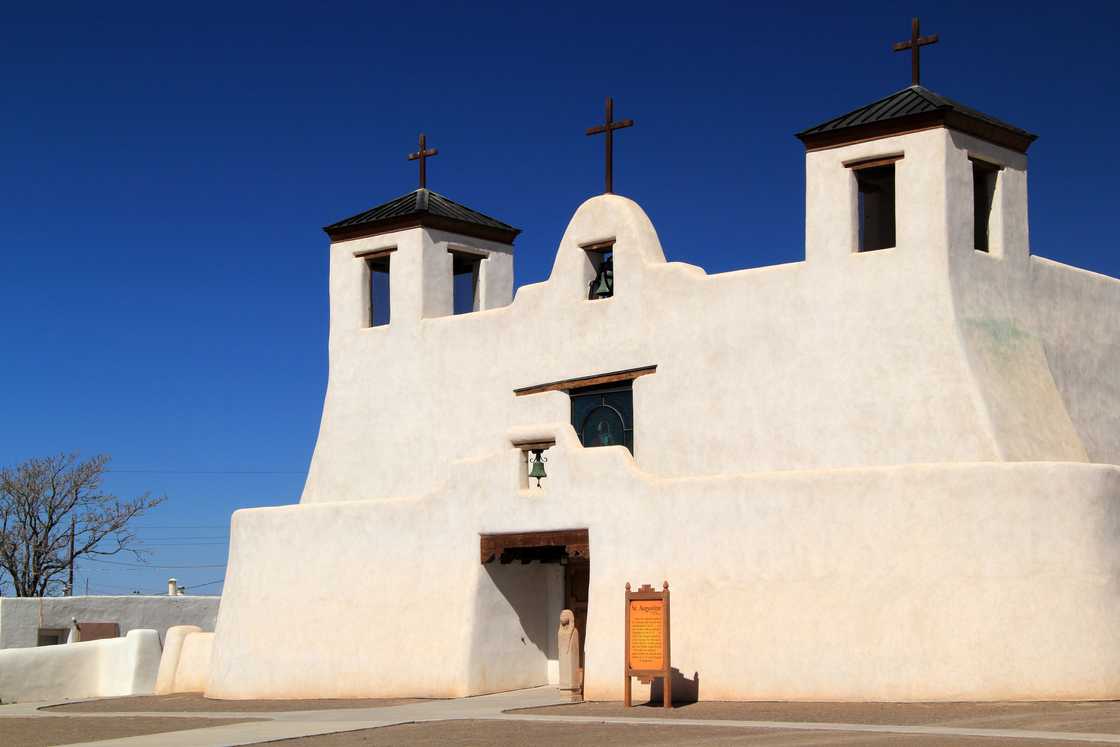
x,y
943,731
292,724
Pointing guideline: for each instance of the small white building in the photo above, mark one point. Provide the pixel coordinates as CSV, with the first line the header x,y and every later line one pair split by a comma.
x,y
886,472
44,621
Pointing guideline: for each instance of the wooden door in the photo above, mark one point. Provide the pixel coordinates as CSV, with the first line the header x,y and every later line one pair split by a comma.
x,y
577,577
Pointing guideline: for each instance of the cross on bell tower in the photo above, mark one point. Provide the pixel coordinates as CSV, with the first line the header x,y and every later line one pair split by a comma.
x,y
915,44
608,128
422,156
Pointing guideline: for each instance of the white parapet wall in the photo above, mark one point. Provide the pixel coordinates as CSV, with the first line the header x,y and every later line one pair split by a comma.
x,y
22,618
113,666
192,675
169,662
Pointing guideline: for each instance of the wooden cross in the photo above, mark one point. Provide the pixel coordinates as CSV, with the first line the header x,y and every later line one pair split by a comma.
x,y
422,156
609,129
915,44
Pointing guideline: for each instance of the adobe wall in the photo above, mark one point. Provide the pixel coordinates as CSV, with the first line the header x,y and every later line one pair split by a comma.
x,y
864,475
21,618
108,667
1079,319
854,361
920,582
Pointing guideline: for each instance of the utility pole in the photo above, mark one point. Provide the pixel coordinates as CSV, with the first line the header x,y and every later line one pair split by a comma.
x,y
70,585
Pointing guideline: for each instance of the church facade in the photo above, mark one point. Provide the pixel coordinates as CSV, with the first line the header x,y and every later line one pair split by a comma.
x,y
886,472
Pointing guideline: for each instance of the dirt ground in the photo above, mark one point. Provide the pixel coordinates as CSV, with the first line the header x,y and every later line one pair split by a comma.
x,y
526,734
1092,716
43,732
195,703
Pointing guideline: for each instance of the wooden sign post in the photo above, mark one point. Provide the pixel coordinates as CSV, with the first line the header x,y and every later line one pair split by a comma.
x,y
647,639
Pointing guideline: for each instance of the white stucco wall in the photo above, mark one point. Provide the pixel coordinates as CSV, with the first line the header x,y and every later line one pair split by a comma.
x,y
169,661
927,352
193,671
923,582
21,618
865,475
113,666
1078,321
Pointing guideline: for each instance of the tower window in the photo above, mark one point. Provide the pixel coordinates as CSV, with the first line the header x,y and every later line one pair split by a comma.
x,y
876,207
464,280
601,257
604,415
983,194
378,269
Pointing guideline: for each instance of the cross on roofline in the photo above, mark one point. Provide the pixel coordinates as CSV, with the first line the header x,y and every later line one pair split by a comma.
x,y
915,44
609,127
422,156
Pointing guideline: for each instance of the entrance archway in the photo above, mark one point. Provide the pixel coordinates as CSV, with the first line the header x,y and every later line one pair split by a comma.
x,y
570,548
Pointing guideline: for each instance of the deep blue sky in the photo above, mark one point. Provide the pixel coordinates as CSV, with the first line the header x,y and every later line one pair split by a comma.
x,y
166,169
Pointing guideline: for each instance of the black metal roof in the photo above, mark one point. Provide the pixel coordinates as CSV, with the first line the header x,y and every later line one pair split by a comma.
x,y
914,107
422,207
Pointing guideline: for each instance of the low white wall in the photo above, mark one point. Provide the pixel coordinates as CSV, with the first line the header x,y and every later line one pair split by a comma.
x,y
169,661
193,672
114,666
21,618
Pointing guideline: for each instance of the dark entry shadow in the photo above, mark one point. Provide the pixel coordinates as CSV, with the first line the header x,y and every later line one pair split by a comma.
x,y
685,691
524,588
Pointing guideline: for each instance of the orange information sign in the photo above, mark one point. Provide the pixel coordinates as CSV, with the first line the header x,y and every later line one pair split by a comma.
x,y
647,634
647,639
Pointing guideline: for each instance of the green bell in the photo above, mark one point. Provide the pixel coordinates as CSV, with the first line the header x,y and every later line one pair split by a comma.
x,y
537,466
603,284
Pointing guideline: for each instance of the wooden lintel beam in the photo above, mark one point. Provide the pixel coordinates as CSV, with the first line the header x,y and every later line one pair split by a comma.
x,y
574,541
870,163
985,163
383,251
584,381
599,245
467,251
533,445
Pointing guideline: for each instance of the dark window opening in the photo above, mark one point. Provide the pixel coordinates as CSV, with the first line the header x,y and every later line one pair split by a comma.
x,y
378,268
602,261
53,636
604,415
464,276
876,207
983,194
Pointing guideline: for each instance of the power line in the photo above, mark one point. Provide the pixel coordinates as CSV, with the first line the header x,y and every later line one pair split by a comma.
x,y
183,526
149,565
208,583
208,471
192,538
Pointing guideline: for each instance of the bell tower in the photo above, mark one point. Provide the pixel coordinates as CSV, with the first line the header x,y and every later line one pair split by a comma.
x,y
917,172
419,256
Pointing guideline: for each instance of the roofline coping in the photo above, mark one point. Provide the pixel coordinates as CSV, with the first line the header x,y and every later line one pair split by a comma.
x,y
944,116
421,220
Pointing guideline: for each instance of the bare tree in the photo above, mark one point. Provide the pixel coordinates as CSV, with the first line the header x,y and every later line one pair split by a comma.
x,y
50,504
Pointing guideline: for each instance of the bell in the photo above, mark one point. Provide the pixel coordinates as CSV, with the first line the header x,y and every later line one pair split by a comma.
x,y
603,284
537,468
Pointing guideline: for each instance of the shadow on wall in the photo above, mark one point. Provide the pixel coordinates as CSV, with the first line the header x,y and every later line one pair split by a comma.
x,y
684,690
525,590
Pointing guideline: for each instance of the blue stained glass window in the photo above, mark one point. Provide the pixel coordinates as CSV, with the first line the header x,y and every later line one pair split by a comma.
x,y
604,416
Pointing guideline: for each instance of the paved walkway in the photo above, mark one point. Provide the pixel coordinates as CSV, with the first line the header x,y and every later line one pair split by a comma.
x,y
292,724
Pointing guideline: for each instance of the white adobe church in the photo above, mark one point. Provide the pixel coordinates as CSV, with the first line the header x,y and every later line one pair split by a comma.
x,y
886,472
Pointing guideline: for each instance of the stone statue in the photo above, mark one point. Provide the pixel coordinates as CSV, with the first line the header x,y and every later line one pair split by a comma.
x,y
567,647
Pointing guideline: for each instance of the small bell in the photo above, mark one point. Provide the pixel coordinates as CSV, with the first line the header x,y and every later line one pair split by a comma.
x,y
537,468
603,284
